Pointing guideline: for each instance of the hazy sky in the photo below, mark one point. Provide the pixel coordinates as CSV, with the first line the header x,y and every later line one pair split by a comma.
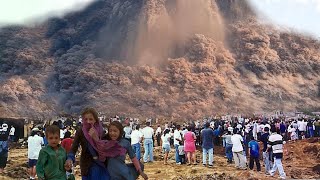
x,y
25,11
303,15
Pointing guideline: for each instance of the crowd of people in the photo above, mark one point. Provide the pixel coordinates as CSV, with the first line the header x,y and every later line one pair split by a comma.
x,y
103,146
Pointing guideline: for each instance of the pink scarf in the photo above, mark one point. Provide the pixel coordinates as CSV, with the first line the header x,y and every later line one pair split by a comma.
x,y
105,148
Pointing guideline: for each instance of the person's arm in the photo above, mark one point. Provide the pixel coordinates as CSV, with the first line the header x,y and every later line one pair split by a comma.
x,y
74,149
194,136
42,160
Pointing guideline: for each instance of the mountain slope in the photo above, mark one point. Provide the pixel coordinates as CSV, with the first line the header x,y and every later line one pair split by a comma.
x,y
165,58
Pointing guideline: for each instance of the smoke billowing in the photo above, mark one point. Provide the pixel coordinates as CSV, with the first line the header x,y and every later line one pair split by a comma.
x,y
166,26
179,59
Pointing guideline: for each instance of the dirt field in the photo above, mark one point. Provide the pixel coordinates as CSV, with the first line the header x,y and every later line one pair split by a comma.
x,y
301,162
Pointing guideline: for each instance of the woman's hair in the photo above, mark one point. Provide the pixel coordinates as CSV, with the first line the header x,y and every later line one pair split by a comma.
x,y
189,128
53,129
92,111
166,132
33,133
119,126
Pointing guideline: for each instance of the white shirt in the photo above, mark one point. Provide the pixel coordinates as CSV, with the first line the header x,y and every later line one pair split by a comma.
x,y
34,146
136,136
302,126
165,139
212,124
260,128
176,135
147,132
236,143
158,130
127,131
12,130
61,134
184,132
276,142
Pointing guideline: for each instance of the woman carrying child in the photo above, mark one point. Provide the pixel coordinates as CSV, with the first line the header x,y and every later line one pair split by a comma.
x,y
94,152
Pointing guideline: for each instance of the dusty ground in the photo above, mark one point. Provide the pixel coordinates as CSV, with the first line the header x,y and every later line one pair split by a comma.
x,y
301,162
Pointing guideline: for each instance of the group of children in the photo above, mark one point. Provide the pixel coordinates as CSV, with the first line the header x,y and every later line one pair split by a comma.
x,y
102,156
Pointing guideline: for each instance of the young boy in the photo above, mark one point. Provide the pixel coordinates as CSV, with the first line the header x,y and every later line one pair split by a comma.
x,y
182,155
50,165
254,154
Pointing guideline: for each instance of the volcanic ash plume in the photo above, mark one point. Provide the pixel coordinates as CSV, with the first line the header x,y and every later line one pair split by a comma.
x,y
164,26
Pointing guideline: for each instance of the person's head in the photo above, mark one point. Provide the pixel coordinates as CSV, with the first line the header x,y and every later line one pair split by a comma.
x,y
189,128
33,132
67,134
166,131
266,129
138,127
147,123
53,136
207,125
115,131
235,131
178,127
90,115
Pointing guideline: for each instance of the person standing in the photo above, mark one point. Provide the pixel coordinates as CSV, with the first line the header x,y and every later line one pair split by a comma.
x,y
35,143
177,138
158,135
148,143
166,144
266,154
254,153
237,149
190,146
11,133
207,135
275,142
4,134
228,146
136,137
127,131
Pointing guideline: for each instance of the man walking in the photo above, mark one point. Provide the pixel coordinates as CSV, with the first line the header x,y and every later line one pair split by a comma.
x,y
276,143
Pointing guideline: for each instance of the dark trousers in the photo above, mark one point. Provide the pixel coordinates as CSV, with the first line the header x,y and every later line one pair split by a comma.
x,y
256,159
158,139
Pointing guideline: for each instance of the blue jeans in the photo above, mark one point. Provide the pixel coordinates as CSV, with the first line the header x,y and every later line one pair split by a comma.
x,y
97,172
277,165
267,162
178,159
229,151
137,150
148,150
204,156
311,133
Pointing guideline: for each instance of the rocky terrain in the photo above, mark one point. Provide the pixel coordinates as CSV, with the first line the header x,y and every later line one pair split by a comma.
x,y
157,58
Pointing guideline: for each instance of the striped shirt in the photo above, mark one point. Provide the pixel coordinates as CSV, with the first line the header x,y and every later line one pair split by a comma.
x,y
276,142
